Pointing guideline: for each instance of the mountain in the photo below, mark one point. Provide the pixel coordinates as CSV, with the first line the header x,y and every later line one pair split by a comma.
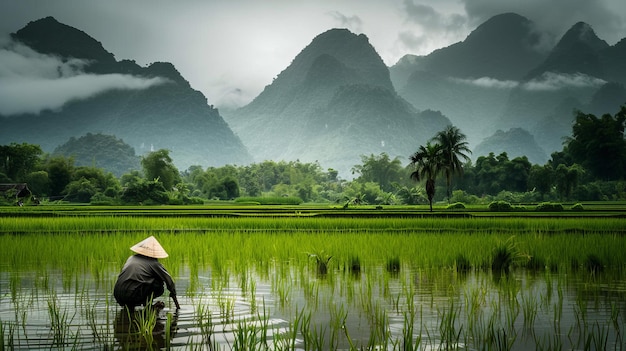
x,y
504,76
516,142
332,104
470,81
102,151
579,69
504,47
578,51
150,108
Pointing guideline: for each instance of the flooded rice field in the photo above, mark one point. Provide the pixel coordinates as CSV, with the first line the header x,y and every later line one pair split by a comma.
x,y
299,283
286,306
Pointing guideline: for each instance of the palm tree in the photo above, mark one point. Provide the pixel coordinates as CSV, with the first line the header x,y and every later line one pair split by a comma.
x,y
428,162
454,150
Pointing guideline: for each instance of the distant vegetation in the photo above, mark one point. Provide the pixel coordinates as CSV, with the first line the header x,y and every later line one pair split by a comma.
x,y
590,167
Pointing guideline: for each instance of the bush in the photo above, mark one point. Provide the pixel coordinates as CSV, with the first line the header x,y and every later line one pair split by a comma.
x,y
549,207
577,207
271,200
462,196
500,206
456,206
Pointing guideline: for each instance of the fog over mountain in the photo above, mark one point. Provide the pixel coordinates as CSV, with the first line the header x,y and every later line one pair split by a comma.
x,y
334,103
63,84
501,77
503,86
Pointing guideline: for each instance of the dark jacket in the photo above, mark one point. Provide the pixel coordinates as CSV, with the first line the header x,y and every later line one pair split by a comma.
x,y
140,278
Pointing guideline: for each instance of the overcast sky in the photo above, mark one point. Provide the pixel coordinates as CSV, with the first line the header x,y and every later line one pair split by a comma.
x,y
231,49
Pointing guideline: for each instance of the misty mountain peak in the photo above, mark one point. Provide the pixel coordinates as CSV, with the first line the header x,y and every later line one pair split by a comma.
x,y
49,36
504,29
352,50
578,51
582,33
504,47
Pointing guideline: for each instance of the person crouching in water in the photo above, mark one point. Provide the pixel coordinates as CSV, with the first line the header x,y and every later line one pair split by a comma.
x,y
143,276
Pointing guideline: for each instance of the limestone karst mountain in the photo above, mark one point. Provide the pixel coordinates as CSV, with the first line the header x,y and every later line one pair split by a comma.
x,y
334,103
505,76
149,108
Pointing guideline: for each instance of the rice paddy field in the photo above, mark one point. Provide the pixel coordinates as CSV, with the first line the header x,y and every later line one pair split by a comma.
x,y
318,278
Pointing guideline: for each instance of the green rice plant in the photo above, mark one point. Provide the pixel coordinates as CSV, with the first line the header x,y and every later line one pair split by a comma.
x,y
598,339
593,264
409,341
393,265
355,266
322,260
168,330
462,264
535,263
505,256
502,341
250,335
449,332
7,336
145,320
204,321
59,322
529,311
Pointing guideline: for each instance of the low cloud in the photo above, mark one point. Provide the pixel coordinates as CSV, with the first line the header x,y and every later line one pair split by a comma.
x,y
551,81
487,82
34,82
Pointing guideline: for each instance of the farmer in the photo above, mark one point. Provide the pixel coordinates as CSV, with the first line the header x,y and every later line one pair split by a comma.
x,y
142,277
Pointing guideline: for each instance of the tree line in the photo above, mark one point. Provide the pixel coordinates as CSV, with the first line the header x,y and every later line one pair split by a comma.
x,y
591,166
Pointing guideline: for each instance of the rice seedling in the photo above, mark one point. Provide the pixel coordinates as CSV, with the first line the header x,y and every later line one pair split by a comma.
x,y
449,331
322,260
593,264
145,320
529,311
256,257
462,264
59,322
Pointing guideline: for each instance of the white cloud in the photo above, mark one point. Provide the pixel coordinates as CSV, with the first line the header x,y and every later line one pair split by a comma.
x,y
488,82
32,82
551,81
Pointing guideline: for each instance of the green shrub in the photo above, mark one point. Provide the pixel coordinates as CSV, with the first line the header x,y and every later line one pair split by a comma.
x,y
577,207
500,206
271,200
549,207
456,206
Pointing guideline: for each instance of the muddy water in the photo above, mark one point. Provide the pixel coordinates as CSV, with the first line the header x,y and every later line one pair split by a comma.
x,y
286,307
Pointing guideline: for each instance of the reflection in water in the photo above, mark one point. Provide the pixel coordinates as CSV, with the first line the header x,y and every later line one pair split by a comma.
x,y
442,307
144,328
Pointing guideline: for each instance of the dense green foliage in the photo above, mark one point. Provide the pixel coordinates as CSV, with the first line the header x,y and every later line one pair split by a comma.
x,y
102,151
574,174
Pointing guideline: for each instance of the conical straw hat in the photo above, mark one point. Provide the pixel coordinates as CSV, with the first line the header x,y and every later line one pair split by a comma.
x,y
150,247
